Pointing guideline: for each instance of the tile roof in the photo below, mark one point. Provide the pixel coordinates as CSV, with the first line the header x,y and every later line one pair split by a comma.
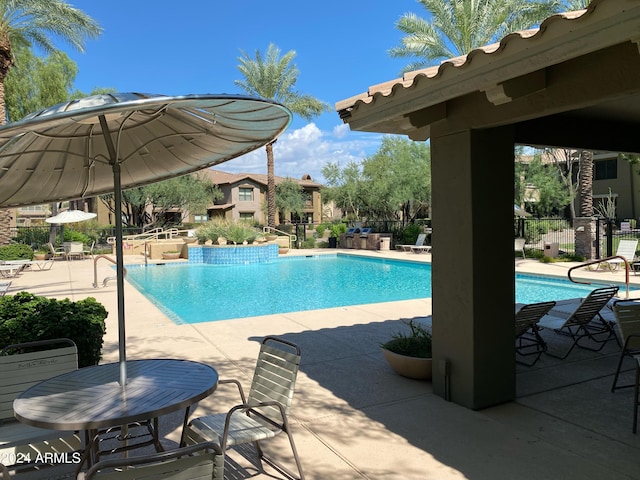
x,y
560,37
220,178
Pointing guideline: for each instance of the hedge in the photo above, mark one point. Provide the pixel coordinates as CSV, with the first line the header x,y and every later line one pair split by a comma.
x,y
25,317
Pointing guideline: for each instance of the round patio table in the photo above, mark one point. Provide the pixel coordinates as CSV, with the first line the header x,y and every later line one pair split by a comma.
x,y
92,398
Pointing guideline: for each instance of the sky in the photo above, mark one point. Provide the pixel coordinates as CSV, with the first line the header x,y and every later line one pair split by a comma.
x,y
176,48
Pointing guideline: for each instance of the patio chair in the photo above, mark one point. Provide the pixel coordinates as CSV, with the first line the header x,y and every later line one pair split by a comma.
x,y
56,252
586,322
419,242
76,250
627,314
4,287
21,366
626,249
519,244
263,414
528,339
89,250
195,462
11,271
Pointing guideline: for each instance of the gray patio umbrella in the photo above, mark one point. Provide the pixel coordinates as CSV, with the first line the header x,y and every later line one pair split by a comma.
x,y
105,143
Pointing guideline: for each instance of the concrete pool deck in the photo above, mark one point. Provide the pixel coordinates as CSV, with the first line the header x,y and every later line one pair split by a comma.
x,y
355,419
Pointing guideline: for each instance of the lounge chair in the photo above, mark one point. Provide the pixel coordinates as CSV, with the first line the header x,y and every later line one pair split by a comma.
x,y
200,461
519,246
263,413
4,287
528,339
586,322
626,249
20,368
419,242
11,271
627,314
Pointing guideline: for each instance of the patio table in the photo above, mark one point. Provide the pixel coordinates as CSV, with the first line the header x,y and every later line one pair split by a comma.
x,y
92,398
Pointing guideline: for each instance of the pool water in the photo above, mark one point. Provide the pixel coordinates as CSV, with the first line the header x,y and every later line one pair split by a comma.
x,y
194,293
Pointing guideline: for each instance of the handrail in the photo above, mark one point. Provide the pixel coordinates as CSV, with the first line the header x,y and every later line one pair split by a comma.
x,y
627,268
95,270
292,237
154,234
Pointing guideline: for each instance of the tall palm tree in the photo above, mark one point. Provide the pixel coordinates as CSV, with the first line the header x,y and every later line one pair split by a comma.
x,y
274,77
37,23
458,26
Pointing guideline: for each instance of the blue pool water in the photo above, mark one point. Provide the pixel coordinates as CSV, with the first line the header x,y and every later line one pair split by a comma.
x,y
194,293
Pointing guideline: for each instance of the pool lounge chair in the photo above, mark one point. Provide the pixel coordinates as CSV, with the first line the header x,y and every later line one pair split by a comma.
x,y
626,249
586,322
4,287
263,413
528,339
11,271
419,243
627,314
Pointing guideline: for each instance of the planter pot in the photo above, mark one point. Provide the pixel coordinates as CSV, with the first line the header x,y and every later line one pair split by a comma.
x,y
333,242
283,250
271,238
40,256
410,367
171,256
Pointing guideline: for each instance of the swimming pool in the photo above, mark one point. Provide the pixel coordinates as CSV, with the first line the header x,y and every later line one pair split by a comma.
x,y
194,293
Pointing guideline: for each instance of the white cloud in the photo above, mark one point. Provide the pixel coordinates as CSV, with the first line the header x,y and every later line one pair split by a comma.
x,y
306,150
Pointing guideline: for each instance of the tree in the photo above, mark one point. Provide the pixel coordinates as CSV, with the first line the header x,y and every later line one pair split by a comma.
x,y
37,82
274,77
25,23
191,193
552,195
290,197
458,26
395,182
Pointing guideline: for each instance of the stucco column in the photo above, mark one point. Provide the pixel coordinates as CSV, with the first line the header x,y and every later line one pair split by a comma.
x,y
473,266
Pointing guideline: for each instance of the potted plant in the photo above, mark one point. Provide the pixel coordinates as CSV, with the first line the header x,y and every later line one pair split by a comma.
x,y
171,254
40,254
409,354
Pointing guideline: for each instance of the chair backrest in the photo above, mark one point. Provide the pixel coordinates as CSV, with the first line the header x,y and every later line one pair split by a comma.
x,y
591,305
627,314
531,314
420,240
275,375
32,363
202,461
519,244
627,249
76,247
51,248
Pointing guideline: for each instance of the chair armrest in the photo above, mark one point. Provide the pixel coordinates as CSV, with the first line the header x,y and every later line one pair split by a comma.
x,y
237,384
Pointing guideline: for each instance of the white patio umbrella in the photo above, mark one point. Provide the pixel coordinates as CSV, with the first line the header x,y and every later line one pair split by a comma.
x,y
70,216
105,143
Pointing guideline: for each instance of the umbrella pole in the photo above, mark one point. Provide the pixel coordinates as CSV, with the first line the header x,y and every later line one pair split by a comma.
x,y
117,198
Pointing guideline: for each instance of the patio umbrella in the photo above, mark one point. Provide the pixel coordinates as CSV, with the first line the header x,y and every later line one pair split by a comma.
x,y
105,143
70,216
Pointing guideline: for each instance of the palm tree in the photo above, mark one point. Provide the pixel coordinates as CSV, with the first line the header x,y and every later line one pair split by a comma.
x,y
458,26
37,23
274,77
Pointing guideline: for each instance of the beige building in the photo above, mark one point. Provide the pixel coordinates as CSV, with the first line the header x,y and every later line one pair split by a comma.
x,y
245,198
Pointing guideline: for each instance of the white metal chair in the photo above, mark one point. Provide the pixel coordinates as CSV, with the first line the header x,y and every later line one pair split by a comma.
x,y
519,244
263,414
204,461
627,314
57,252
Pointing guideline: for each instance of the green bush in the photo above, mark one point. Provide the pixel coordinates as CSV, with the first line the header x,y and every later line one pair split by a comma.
x,y
308,243
25,317
410,233
234,231
16,251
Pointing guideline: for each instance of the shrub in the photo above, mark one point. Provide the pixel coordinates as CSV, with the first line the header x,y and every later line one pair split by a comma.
x,y
16,251
234,231
417,343
410,233
25,317
308,243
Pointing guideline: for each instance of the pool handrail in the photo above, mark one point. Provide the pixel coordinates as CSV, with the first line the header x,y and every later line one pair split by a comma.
x,y
627,268
95,270
275,231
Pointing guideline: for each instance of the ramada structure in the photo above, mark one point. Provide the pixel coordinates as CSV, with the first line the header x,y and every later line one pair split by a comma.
x,y
575,83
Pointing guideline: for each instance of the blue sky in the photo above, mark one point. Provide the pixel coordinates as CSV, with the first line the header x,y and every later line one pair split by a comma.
x,y
191,47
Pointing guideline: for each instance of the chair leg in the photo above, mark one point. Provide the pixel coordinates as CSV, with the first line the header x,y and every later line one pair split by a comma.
x,y
278,466
636,395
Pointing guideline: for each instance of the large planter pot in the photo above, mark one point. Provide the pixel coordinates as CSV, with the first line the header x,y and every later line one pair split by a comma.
x,y
171,256
410,367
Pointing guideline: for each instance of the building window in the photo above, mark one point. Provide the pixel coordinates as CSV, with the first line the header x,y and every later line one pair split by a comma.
x,y
606,169
246,194
248,216
200,218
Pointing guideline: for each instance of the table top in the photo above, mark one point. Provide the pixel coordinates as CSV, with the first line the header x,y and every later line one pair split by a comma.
x,y
92,398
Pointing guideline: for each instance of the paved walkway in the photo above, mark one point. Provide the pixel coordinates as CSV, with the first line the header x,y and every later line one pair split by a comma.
x,y
355,419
